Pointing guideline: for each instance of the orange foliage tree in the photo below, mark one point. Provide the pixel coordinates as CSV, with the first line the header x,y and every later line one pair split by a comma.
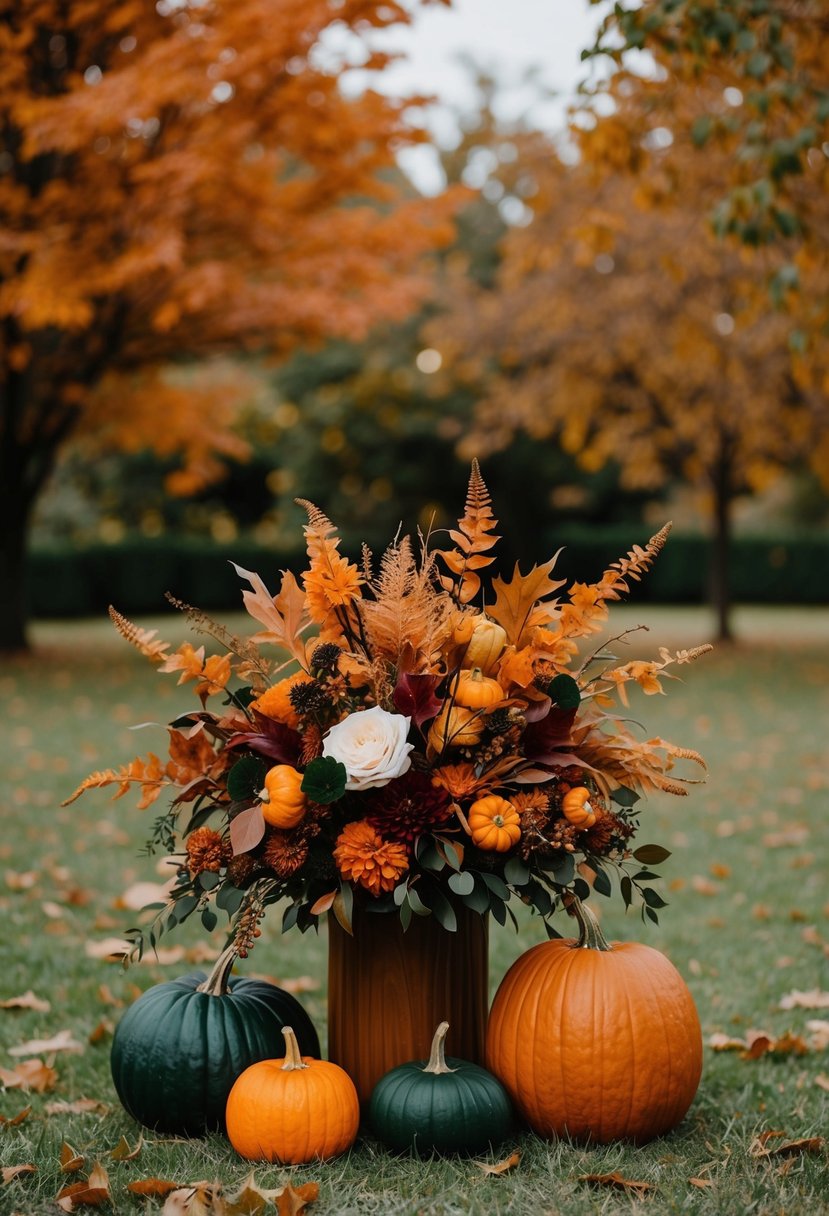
x,y
628,328
180,180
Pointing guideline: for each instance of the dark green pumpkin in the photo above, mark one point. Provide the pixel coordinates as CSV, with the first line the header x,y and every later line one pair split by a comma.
x,y
443,1106
178,1049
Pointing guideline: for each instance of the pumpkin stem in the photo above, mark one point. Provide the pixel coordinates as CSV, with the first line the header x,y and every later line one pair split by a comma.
x,y
437,1060
590,931
293,1056
216,982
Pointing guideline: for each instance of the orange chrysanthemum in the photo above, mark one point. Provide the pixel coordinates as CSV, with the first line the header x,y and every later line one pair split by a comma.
x,y
206,850
363,856
332,582
275,702
459,780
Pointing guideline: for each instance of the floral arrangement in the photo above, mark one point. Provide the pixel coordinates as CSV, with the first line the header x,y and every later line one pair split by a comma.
x,y
400,735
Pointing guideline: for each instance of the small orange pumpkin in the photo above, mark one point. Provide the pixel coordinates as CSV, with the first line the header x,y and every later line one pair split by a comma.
x,y
494,823
578,809
617,1020
283,802
474,690
454,727
292,1110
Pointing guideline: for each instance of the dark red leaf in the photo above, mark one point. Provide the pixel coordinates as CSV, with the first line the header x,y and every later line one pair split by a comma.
x,y
543,737
414,696
271,739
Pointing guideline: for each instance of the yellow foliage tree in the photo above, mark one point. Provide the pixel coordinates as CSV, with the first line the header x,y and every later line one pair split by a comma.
x,y
180,180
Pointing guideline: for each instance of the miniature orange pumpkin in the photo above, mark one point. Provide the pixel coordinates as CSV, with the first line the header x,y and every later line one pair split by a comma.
x,y
454,727
617,1021
292,1110
474,690
283,802
578,809
494,823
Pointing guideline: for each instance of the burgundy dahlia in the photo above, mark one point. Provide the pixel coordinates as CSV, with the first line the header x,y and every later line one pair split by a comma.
x,y
406,808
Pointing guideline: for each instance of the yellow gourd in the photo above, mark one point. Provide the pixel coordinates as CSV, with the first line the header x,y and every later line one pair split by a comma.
x,y
283,802
485,645
454,727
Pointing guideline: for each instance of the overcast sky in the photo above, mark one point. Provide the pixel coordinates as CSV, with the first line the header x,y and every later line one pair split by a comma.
x,y
511,38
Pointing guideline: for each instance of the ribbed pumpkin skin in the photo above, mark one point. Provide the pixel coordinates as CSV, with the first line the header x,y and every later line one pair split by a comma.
x,y
596,1045
292,1117
176,1052
464,1111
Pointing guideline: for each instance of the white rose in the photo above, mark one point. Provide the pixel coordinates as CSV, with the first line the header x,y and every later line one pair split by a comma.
x,y
372,745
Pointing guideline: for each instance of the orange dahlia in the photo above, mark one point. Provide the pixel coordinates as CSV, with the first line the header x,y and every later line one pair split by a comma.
x,y
363,856
459,780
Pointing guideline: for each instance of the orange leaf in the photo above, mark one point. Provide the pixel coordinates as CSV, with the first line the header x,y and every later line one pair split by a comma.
x,y
292,1199
123,1152
17,1119
27,1001
10,1172
92,1193
786,1148
155,1188
30,1074
501,1167
519,605
70,1159
618,1181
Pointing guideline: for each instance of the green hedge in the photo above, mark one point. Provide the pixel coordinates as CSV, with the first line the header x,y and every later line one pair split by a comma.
x,y
135,575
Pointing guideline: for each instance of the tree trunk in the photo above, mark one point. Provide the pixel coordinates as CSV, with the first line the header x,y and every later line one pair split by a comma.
x,y
15,516
721,555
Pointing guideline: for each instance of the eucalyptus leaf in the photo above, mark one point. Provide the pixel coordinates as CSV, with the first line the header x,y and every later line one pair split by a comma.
x,y
651,854
517,872
462,883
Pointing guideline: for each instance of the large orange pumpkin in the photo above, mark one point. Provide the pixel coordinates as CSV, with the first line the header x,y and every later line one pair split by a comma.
x,y
596,1041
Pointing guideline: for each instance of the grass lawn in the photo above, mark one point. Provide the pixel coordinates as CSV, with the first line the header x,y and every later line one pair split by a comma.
x,y
748,923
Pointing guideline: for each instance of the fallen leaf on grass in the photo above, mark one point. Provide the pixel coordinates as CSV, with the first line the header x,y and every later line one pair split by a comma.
x,y
819,1032
27,1001
123,1152
31,1074
789,837
291,1200
152,1188
101,1032
21,882
759,1043
17,1119
199,1199
70,1159
93,1192
62,1041
618,1181
501,1167
701,1182
299,983
140,894
813,999
10,1172
81,1106
822,1081
110,949
760,1147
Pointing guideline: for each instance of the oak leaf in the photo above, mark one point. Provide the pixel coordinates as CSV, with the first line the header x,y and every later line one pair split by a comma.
x,y
520,603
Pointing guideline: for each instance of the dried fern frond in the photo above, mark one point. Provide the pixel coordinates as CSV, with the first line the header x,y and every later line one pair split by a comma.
x,y
144,640
408,618
202,623
150,774
473,538
636,562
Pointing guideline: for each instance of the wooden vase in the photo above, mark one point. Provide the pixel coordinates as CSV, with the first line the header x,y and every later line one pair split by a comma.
x,y
389,990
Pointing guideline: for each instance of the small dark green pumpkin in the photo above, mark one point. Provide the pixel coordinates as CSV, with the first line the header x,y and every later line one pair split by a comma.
x,y
443,1106
178,1049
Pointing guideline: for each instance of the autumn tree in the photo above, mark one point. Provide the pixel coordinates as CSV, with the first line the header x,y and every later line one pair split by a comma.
x,y
633,321
179,180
